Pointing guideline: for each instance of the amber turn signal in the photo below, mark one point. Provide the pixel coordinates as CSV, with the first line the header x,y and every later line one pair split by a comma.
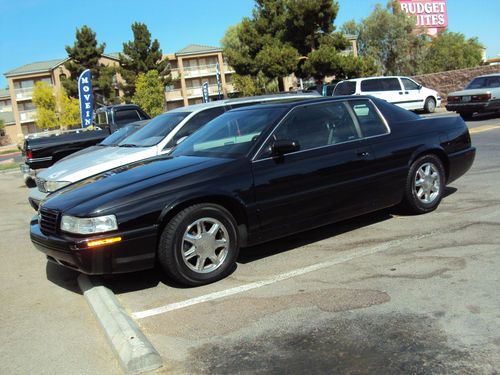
x,y
104,241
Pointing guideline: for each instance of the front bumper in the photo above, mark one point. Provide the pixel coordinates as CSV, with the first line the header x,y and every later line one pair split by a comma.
x,y
136,251
460,162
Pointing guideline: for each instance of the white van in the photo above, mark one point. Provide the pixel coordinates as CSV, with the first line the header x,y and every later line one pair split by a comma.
x,y
401,91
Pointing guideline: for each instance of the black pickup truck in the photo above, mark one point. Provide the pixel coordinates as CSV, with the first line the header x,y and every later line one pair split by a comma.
x,y
43,151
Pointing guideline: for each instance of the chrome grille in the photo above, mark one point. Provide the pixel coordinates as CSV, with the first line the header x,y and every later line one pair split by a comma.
x,y
48,220
40,184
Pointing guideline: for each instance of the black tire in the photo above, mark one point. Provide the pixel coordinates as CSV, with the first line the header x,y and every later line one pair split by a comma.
x,y
466,115
411,200
170,248
430,105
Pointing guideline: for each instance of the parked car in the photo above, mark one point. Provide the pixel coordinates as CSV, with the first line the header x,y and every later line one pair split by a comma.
x,y
162,134
482,94
249,176
111,140
43,151
323,89
401,91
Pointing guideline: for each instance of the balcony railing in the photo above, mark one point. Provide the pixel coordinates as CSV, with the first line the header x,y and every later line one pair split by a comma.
x,y
194,92
24,93
175,94
27,116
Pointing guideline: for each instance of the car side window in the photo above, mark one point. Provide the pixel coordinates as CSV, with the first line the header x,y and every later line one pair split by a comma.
x,y
345,88
194,123
316,126
380,84
368,118
409,84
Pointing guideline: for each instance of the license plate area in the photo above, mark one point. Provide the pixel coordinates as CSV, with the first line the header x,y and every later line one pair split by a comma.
x,y
466,98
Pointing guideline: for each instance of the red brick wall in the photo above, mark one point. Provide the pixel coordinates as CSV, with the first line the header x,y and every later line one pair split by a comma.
x,y
445,82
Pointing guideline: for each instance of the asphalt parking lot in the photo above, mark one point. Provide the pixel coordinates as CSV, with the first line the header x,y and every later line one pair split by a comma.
x,y
381,294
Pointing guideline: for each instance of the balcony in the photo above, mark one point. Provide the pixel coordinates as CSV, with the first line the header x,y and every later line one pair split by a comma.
x,y
172,95
27,116
175,74
24,93
197,92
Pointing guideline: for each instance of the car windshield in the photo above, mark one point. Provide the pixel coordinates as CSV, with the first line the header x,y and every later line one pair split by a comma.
x,y
155,131
119,135
484,83
230,135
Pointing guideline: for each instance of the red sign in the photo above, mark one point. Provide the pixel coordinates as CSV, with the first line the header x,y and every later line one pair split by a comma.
x,y
430,14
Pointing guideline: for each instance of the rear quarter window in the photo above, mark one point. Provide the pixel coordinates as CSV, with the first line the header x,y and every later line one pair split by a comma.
x,y
369,120
382,84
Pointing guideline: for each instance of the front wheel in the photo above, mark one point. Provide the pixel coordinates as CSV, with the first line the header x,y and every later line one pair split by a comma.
x,y
430,105
199,245
425,184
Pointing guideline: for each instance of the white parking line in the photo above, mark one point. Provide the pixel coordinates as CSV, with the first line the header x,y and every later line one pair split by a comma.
x,y
342,258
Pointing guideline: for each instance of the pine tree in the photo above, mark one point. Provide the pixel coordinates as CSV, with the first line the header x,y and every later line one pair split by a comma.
x,y
140,56
85,54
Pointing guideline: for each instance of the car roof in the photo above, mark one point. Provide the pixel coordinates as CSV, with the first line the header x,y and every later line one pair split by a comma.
x,y
123,106
377,77
297,103
488,75
248,99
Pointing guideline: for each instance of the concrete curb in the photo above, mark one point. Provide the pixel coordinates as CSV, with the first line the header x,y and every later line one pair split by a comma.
x,y
135,353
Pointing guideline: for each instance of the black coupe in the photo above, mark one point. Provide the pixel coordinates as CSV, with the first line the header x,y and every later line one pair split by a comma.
x,y
249,176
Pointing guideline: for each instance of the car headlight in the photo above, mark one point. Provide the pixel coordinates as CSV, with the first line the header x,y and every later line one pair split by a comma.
x,y
89,225
51,186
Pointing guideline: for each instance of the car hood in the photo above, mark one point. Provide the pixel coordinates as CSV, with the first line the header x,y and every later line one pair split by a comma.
x,y
94,194
91,163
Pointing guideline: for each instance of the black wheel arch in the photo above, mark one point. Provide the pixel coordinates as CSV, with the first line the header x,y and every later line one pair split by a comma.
x,y
235,207
432,150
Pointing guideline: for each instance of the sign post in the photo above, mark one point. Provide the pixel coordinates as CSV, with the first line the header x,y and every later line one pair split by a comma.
x,y
217,75
204,89
86,98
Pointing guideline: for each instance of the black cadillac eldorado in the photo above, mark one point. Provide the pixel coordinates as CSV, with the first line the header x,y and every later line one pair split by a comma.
x,y
249,176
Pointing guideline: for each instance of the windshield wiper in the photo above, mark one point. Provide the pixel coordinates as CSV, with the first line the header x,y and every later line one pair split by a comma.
x,y
128,145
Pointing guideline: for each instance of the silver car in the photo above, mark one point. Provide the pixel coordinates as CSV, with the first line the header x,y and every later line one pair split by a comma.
x,y
158,137
482,94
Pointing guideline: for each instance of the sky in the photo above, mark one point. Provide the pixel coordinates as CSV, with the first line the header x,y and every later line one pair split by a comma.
x,y
37,30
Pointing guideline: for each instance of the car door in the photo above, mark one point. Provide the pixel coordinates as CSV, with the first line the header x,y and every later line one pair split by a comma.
x,y
321,182
413,98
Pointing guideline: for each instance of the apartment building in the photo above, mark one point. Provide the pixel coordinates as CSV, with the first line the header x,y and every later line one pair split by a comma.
x,y
191,67
6,114
21,82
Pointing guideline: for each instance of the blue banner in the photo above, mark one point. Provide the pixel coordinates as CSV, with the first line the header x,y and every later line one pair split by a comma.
x,y
86,98
217,75
204,89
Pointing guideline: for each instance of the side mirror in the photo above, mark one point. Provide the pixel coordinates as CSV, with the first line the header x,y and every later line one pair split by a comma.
x,y
284,146
420,87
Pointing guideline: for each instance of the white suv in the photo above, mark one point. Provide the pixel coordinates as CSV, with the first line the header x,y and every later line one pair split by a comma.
x,y
401,91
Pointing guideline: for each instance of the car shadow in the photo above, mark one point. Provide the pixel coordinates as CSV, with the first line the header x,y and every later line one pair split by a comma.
x,y
484,116
136,281
63,277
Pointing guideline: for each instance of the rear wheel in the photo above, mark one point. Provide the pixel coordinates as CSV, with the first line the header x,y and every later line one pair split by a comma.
x,y
199,245
425,184
430,105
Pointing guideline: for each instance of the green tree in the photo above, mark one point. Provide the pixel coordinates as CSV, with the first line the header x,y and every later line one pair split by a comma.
x,y
149,93
388,37
450,50
284,37
140,56
45,103
85,54
68,109
247,85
